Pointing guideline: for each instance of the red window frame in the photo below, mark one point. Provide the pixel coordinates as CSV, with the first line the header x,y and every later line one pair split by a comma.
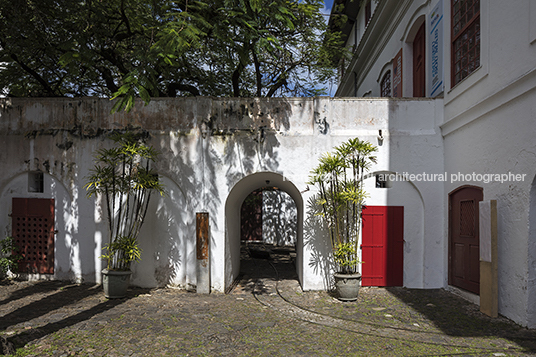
x,y
465,35
385,85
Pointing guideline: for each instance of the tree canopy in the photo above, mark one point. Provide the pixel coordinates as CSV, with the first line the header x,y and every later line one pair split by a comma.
x,y
156,48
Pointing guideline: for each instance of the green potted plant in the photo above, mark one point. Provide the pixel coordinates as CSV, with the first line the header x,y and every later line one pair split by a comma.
x,y
339,179
125,179
9,257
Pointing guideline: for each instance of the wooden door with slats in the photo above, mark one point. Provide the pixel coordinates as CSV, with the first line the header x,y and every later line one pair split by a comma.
x,y
464,242
383,246
33,231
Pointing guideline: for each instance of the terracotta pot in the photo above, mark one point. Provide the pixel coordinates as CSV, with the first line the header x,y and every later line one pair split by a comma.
x,y
347,286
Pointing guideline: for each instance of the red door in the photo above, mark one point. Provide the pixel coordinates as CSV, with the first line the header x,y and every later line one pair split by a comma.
x,y
33,230
419,48
464,242
383,246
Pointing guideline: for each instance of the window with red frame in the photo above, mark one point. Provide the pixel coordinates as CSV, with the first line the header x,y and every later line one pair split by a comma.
x,y
465,38
385,85
368,12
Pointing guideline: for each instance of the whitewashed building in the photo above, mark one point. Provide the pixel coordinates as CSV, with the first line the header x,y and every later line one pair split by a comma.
x,y
444,159
215,152
480,58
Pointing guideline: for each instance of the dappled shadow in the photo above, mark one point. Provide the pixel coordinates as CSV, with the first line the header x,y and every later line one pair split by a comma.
x,y
458,317
316,238
163,240
29,290
279,218
259,262
46,307
57,295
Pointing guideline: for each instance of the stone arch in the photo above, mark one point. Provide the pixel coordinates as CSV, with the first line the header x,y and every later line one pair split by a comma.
x,y
232,219
413,26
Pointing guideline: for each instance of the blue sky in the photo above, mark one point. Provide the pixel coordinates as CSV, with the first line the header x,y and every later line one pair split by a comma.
x,y
327,6
331,87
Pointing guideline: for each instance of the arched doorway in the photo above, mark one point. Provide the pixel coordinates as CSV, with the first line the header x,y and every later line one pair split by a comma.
x,y
233,206
268,221
464,241
415,56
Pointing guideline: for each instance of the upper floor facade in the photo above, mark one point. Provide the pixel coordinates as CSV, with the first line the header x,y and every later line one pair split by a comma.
x,y
465,51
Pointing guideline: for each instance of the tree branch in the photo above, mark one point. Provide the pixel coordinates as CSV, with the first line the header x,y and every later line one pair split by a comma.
x,y
46,86
106,74
258,74
172,89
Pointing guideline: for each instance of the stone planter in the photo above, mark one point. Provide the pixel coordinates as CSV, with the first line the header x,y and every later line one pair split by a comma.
x,y
115,283
347,286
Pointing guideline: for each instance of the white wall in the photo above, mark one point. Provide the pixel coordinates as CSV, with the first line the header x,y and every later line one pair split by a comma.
x,y
217,153
502,142
488,128
279,218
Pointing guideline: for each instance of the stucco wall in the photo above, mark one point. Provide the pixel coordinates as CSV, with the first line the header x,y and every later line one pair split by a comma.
x,y
502,142
488,128
214,153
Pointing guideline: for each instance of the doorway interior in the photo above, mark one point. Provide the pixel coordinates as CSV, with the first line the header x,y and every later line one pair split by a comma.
x,y
280,236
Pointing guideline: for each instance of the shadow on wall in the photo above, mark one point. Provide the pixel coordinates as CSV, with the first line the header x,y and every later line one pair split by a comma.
x,y
269,215
167,255
72,241
73,251
247,152
279,218
187,166
316,240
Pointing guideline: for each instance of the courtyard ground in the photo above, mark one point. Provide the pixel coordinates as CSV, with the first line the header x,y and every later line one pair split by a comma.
x,y
266,314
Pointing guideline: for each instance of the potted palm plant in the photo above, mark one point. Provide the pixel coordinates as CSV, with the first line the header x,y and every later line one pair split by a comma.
x,y
125,179
339,179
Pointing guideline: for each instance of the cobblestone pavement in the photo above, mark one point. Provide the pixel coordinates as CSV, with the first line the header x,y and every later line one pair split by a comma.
x,y
266,314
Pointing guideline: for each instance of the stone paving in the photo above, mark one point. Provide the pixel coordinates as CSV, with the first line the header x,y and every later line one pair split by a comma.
x,y
266,314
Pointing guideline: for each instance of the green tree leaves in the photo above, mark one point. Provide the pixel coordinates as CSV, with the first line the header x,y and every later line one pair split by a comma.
x,y
128,49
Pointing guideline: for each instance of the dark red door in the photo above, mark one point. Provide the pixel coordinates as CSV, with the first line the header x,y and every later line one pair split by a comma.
x,y
383,246
32,221
419,47
464,242
251,217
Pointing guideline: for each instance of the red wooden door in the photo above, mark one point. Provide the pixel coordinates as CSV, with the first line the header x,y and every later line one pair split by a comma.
x,y
33,231
251,217
419,47
464,241
383,246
